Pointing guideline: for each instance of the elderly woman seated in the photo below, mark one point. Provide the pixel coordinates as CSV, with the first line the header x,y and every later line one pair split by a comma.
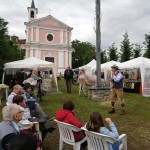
x,y
28,124
12,114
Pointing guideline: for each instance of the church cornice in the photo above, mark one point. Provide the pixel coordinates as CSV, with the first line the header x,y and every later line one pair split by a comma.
x,y
47,27
36,21
47,45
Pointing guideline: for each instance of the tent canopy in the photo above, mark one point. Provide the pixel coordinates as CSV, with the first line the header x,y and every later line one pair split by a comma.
x,y
30,63
90,64
144,65
106,66
135,63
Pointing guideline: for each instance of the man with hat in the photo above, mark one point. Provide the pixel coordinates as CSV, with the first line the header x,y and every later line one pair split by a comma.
x,y
117,89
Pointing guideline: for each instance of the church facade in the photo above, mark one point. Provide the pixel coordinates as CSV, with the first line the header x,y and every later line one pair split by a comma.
x,y
48,39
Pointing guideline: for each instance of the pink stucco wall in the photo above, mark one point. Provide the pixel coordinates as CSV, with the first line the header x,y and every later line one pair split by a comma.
x,y
43,37
49,22
48,26
34,34
29,34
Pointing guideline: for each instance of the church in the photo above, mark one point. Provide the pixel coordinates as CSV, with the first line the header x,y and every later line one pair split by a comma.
x,y
48,39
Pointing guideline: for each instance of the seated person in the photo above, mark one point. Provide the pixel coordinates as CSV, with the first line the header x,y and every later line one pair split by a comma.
x,y
24,142
17,89
32,103
24,123
12,114
27,124
96,124
67,115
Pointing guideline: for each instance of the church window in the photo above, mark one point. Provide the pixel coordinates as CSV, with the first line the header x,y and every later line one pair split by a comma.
x,y
32,14
50,37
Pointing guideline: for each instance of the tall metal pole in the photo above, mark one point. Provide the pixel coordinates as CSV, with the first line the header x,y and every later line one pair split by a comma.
x,y
98,44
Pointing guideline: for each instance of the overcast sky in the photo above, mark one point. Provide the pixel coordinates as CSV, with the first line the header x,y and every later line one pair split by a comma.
x,y
118,16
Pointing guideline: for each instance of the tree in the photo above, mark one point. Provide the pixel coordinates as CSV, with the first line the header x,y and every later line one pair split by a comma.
x,y
147,45
83,53
126,49
103,57
137,51
112,52
9,50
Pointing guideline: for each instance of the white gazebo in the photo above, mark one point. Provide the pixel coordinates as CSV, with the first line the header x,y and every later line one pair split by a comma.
x,y
30,63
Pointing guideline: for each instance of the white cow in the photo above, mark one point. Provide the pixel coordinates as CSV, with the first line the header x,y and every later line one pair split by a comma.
x,y
85,80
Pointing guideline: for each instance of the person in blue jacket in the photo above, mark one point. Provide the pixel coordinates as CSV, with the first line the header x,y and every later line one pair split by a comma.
x,y
96,124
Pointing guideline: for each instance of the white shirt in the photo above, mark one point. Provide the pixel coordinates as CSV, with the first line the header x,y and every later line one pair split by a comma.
x,y
10,98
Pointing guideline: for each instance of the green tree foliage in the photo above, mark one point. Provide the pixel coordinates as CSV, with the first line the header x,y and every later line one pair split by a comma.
x,y
112,53
83,53
137,51
104,58
9,50
126,49
147,45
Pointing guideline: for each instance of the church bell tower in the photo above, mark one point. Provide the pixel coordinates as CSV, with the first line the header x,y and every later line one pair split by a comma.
x,y
32,12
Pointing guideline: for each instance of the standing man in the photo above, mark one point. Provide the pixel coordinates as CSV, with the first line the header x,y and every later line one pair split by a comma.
x,y
68,75
21,76
117,89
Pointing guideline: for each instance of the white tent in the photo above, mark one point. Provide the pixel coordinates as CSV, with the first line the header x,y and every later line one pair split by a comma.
x,y
107,65
88,67
144,65
90,64
30,63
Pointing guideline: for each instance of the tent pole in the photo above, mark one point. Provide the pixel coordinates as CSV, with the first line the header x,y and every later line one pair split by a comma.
x,y
3,77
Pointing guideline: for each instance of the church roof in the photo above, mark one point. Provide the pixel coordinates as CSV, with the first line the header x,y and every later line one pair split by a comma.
x,y
32,4
46,18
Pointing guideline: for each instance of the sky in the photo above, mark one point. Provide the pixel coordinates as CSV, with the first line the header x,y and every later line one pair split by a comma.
x,y
117,17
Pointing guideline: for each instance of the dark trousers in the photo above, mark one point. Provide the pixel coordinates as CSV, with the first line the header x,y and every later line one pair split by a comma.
x,y
68,85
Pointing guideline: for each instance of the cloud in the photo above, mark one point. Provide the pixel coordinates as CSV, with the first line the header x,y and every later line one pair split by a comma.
x,y
118,16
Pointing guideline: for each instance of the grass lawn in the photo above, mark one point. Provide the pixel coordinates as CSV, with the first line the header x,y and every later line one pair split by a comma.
x,y
136,123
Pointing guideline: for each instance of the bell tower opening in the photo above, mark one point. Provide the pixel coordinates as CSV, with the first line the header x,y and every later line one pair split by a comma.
x,y
32,11
32,14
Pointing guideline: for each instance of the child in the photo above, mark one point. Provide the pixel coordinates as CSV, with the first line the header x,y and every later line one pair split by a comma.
x,y
96,124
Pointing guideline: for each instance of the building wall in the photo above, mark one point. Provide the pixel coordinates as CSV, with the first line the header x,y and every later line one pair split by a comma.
x,y
38,46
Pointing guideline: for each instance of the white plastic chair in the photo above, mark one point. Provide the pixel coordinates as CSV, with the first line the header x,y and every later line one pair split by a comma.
x,y
66,135
97,141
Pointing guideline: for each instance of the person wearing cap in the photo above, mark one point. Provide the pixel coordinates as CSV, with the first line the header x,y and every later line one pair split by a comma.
x,y
117,89
68,75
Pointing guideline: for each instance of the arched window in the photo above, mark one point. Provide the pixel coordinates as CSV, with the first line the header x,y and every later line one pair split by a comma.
x,y
32,14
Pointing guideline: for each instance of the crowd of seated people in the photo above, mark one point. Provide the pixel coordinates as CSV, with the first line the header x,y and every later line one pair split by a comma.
x,y
22,105
94,124
21,77
31,114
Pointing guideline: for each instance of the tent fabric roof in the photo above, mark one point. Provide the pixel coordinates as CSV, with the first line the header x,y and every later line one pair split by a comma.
x,y
90,64
107,65
29,63
135,63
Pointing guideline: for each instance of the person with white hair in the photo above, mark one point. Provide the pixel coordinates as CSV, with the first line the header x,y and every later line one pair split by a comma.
x,y
17,89
12,114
